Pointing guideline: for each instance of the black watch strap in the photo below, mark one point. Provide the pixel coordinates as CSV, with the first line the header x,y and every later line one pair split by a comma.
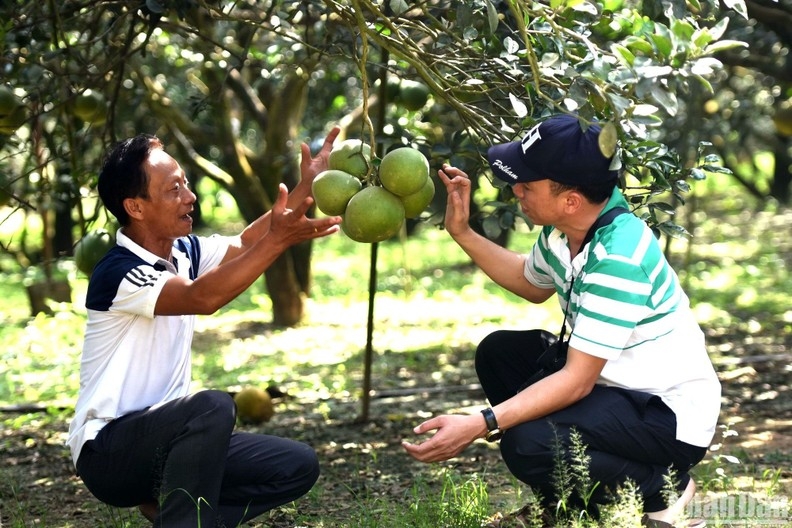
x,y
493,431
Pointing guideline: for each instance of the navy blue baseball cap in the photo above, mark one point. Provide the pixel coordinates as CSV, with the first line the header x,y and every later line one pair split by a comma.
x,y
556,149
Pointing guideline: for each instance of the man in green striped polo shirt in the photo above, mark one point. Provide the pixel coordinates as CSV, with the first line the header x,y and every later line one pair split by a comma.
x,y
637,384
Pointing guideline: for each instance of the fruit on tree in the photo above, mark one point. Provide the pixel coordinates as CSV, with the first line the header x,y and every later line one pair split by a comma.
x,y
254,405
352,156
404,171
90,249
5,189
332,190
12,112
91,107
607,140
413,95
372,215
783,120
416,203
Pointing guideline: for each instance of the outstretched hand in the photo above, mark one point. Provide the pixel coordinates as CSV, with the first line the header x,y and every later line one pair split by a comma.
x,y
454,434
291,226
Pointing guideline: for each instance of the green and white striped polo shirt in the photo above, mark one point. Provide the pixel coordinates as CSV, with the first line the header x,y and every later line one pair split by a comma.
x,y
627,306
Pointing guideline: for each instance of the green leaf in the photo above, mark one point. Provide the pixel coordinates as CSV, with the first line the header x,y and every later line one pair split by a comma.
x,y
664,207
682,30
738,6
673,230
399,6
705,66
723,45
492,17
624,54
719,29
662,40
520,109
637,44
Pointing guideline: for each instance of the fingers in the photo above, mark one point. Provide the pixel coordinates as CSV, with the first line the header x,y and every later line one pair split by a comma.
x,y
325,226
449,173
306,160
429,425
279,206
331,137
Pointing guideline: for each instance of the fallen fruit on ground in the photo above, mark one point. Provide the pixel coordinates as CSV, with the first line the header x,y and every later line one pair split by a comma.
x,y
404,171
351,156
416,203
254,405
90,249
372,215
332,190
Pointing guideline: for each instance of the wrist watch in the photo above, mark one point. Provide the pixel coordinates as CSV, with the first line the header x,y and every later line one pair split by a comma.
x,y
494,432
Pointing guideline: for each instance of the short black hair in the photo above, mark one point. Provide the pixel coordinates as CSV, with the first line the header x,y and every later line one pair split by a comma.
x,y
123,176
595,193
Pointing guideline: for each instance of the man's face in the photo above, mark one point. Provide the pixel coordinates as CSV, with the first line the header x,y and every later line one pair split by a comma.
x,y
538,201
170,202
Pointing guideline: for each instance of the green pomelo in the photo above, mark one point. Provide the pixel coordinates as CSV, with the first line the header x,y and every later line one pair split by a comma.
x,y
372,215
9,123
352,156
91,248
332,190
413,95
415,203
12,112
91,107
8,101
404,171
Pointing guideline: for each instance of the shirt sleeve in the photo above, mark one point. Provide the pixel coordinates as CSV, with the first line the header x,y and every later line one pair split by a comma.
x,y
139,289
213,250
537,270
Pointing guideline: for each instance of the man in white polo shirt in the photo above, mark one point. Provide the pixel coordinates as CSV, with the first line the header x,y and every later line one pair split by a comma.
x,y
139,437
636,383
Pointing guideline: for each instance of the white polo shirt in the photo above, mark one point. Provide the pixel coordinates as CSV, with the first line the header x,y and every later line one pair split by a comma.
x,y
628,307
131,358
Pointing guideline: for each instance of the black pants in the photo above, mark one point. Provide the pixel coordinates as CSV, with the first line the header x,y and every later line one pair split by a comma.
x,y
628,434
185,456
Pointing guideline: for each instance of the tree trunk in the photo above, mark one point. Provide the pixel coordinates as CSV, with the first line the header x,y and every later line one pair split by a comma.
x,y
782,176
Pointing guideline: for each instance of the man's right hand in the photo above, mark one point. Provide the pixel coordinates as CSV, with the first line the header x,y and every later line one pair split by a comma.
x,y
458,205
291,226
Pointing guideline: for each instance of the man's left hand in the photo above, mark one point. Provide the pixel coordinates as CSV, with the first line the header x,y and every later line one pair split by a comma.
x,y
454,434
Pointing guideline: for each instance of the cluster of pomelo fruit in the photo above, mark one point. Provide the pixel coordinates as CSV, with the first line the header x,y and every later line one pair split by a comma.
x,y
373,198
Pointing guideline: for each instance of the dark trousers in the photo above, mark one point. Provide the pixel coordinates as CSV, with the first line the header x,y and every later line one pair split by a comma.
x,y
627,434
185,456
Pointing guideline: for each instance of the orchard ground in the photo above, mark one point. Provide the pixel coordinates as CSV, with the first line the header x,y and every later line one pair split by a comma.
x,y
431,309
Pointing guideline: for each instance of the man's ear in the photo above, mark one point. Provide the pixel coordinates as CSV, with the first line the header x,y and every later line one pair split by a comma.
x,y
132,207
573,202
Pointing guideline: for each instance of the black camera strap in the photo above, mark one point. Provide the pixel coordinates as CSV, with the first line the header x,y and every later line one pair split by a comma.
x,y
554,356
